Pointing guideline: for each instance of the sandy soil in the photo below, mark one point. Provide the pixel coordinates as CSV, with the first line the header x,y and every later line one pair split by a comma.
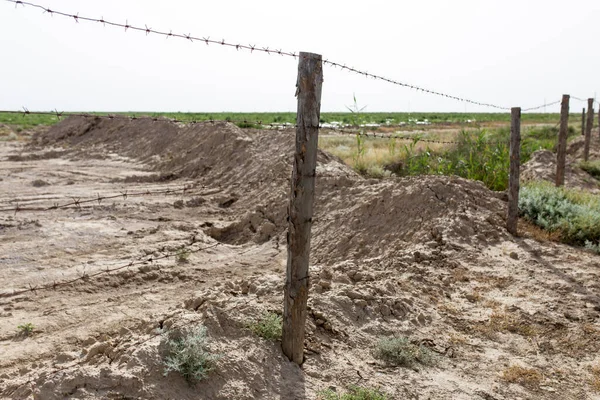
x,y
427,258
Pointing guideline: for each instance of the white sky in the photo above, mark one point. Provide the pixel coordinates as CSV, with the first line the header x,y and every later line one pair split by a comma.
x,y
509,52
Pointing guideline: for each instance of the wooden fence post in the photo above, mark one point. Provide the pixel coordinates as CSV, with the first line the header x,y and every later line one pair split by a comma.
x,y
300,211
561,152
588,129
515,165
599,120
583,122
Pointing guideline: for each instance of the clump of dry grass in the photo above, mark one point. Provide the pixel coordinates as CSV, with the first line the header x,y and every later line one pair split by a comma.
x,y
460,274
583,339
527,377
504,321
529,230
402,352
595,379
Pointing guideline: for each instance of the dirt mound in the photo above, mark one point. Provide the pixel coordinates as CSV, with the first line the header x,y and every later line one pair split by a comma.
x,y
576,146
378,218
542,166
353,216
250,171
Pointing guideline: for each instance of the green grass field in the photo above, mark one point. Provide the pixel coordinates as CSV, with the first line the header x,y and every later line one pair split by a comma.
x,y
29,121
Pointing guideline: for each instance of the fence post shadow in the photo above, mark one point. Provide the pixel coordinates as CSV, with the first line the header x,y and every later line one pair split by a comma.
x,y
292,381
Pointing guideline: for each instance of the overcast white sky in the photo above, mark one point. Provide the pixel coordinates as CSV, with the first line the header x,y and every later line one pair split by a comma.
x,y
508,52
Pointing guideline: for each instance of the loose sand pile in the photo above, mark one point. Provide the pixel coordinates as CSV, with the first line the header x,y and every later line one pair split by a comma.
x,y
542,166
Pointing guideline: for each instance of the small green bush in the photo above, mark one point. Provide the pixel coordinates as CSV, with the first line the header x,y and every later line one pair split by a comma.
x,y
478,156
595,247
269,326
401,352
187,353
574,214
354,393
183,255
26,329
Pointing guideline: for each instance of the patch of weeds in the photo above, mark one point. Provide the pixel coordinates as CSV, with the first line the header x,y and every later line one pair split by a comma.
x,y
460,275
26,329
527,377
183,255
594,247
574,215
376,171
595,379
8,137
402,352
583,339
529,229
457,339
354,393
503,321
187,353
269,326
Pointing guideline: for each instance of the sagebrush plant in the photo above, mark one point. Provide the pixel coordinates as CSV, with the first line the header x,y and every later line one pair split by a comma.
x,y
354,393
595,379
187,353
26,329
528,377
402,352
574,214
183,255
269,326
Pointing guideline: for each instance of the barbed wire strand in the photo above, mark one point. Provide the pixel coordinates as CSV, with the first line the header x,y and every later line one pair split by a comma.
x,y
147,30
541,106
77,202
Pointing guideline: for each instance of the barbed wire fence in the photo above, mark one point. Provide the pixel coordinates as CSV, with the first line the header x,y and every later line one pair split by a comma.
x,y
193,246
347,130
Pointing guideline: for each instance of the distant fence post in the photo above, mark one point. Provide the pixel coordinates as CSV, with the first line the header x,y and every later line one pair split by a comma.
x,y
515,165
300,211
583,122
599,120
588,129
561,153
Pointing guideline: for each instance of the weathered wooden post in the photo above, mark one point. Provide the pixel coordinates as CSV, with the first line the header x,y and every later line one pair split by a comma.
x,y
588,129
583,122
300,211
561,153
515,165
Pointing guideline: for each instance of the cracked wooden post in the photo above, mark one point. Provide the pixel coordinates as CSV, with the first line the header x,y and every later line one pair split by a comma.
x,y
561,152
583,122
515,165
588,129
300,211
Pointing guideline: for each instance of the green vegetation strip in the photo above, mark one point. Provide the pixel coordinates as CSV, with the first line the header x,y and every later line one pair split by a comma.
x,y
574,214
481,154
28,121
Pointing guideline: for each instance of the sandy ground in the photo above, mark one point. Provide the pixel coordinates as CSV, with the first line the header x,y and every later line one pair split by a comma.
x,y
426,257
